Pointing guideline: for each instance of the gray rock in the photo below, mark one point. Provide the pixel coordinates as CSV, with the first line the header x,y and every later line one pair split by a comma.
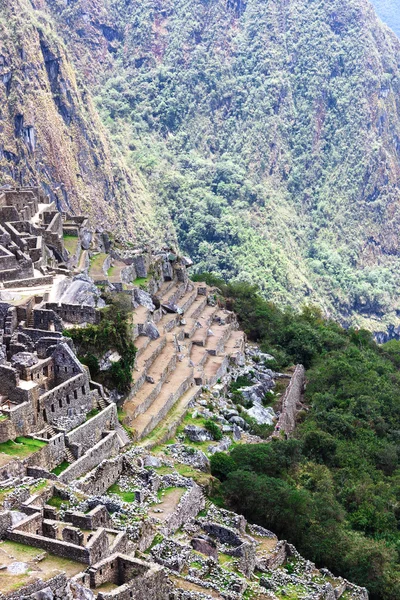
x,y
223,446
45,594
205,545
152,461
186,261
150,330
24,359
197,434
144,299
239,421
149,379
263,416
237,434
86,238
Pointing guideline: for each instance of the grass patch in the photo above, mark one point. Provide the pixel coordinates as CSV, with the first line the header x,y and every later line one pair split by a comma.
x,y
3,417
141,282
93,413
71,243
96,265
125,496
61,467
21,447
56,502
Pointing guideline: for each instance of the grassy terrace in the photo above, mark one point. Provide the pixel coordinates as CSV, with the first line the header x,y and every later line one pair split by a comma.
x,y
61,467
125,496
71,243
96,266
11,552
21,447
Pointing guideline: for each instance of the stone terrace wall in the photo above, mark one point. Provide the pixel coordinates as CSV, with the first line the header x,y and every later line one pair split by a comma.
x,y
292,397
107,447
90,433
57,547
101,478
57,585
191,503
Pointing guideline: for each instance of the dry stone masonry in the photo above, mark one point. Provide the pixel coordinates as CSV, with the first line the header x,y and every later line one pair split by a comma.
x,y
94,503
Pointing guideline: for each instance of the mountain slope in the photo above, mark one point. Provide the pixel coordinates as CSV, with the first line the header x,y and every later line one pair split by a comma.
x,y
50,132
389,12
269,131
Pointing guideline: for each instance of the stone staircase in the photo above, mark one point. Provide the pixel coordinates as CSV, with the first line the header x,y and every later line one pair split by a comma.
x,y
69,456
196,342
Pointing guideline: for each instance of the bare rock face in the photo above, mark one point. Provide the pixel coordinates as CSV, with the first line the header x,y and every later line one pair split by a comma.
x,y
205,545
151,330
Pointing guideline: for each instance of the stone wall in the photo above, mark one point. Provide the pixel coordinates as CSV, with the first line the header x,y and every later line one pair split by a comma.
x,y
107,447
191,503
56,587
90,433
50,455
75,313
291,400
102,477
57,547
98,517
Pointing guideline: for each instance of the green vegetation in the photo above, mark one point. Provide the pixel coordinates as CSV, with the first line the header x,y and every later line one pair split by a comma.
x,y
258,141
57,502
125,496
61,467
213,428
21,447
334,490
71,243
113,332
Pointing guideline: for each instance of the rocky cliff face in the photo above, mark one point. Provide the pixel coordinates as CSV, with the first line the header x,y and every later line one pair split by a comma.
x,y
268,131
50,132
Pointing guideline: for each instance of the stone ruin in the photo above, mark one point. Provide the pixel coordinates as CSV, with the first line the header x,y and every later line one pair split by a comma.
x,y
129,524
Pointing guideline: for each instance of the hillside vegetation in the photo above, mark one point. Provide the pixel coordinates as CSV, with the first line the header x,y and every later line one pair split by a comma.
x,y
269,131
334,489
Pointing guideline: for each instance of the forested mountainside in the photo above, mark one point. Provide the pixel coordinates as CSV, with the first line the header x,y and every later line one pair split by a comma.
x,y
389,12
50,131
268,130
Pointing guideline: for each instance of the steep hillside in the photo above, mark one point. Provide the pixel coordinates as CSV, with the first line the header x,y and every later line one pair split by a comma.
x,y
270,131
50,132
389,12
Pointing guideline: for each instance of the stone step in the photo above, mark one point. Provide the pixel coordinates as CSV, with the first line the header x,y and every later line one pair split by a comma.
x,y
123,437
141,343
235,345
215,343
214,368
197,307
167,429
186,302
148,392
176,385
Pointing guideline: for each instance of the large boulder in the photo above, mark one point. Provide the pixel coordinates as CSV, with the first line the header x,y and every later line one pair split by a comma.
x,y
143,298
150,330
198,434
263,416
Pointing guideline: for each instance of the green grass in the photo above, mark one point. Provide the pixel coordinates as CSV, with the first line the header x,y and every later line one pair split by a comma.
x,y
71,243
96,265
125,496
141,282
56,502
21,447
3,417
61,467
92,413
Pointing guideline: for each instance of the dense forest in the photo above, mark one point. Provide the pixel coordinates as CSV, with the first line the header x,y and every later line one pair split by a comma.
x,y
266,133
333,489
